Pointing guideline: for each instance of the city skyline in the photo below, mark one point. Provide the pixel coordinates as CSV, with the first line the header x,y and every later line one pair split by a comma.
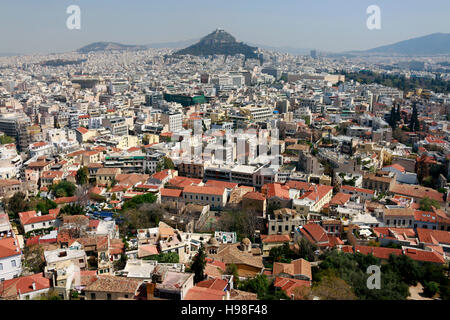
x,y
325,26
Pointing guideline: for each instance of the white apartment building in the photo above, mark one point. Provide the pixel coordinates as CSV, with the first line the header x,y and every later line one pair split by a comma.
x,y
10,253
173,120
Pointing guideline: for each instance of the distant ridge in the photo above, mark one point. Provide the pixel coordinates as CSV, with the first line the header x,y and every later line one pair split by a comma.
x,y
433,44
219,42
172,45
109,46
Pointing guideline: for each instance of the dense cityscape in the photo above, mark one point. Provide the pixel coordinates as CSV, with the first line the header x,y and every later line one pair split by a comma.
x,y
223,171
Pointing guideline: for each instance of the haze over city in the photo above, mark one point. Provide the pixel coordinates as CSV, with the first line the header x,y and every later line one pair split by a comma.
x,y
178,151
333,26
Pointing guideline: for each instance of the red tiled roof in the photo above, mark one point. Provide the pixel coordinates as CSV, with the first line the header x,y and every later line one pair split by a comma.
x,y
161,175
9,247
176,193
425,216
295,268
432,236
216,284
315,233
340,199
82,130
422,255
204,190
181,182
30,217
417,192
65,200
23,285
274,238
397,167
379,252
200,293
276,190
221,184
254,196
288,285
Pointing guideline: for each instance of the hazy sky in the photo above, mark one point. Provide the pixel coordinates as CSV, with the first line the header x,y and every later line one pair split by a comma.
x,y
29,26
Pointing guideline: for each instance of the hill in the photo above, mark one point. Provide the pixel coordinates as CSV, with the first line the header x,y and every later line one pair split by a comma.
x,y
108,46
219,42
433,44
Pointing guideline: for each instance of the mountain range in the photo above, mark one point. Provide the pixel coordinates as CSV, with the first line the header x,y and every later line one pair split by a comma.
x,y
108,46
432,44
221,42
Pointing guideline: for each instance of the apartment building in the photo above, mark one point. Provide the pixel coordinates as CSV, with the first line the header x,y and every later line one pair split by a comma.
x,y
215,197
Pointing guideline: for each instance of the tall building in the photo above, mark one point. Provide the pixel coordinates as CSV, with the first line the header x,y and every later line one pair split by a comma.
x,y
117,125
314,54
15,125
173,120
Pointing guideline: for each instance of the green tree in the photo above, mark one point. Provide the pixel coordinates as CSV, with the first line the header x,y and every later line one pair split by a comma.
x,y
50,295
393,118
409,270
82,176
414,124
4,139
426,204
307,249
232,270
44,205
17,204
33,259
165,257
64,189
121,263
137,200
282,254
430,289
241,222
166,163
144,215
73,209
333,288
198,265
263,287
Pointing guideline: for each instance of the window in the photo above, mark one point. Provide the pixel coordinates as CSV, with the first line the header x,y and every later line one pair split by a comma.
x,y
92,296
108,296
13,263
126,296
1,266
273,229
286,228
